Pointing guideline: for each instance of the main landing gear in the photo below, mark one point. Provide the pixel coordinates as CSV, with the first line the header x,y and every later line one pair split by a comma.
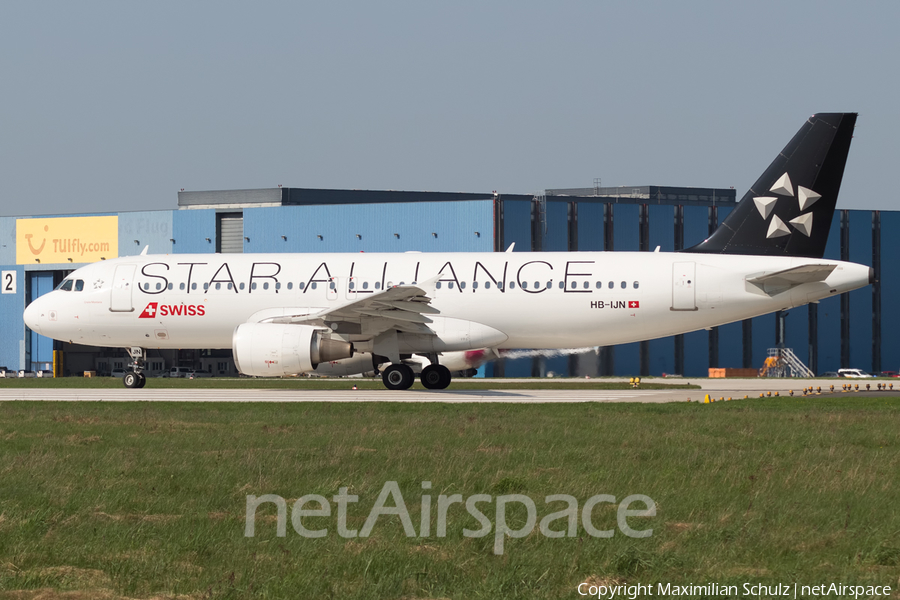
x,y
135,379
435,377
401,377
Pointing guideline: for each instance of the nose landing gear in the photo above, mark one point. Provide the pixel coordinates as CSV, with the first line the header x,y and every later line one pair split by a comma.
x,y
135,379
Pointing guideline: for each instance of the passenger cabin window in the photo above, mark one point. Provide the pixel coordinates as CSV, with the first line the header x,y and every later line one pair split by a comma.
x,y
636,285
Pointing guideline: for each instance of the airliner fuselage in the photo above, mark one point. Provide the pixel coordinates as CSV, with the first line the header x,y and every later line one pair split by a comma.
x,y
501,300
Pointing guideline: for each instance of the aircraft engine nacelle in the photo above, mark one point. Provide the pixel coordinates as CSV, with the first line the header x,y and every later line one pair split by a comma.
x,y
275,350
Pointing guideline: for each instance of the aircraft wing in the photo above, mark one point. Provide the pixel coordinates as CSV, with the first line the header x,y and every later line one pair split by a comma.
x,y
780,281
402,307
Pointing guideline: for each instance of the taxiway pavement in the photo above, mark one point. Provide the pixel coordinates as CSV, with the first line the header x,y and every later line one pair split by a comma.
x,y
715,388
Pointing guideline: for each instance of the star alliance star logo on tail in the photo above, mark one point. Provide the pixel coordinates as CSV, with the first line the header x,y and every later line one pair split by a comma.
x,y
766,206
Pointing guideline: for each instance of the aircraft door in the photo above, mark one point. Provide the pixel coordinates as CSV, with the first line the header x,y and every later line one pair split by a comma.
x,y
684,286
120,296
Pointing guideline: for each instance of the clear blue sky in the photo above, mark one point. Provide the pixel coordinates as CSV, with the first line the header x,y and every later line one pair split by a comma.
x,y
118,105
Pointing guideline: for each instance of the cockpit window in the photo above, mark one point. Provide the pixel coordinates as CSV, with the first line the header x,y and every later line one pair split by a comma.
x,y
69,285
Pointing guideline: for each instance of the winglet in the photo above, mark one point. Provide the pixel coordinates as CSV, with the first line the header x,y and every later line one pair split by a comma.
x,y
144,251
511,246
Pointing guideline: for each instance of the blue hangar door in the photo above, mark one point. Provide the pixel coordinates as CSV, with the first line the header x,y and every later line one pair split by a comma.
x,y
39,354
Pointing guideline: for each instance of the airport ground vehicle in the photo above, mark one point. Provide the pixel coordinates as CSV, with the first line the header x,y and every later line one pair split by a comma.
x,y
853,373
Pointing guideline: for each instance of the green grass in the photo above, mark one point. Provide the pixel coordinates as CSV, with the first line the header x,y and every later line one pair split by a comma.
x,y
327,384
147,499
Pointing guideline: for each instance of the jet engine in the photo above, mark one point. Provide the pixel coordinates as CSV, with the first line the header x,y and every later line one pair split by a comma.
x,y
275,350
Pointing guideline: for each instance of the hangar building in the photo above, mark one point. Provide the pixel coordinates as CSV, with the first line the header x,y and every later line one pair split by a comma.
x,y
36,253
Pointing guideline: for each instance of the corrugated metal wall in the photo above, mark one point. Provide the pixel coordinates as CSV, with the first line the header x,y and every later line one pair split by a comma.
x,y
465,226
146,228
194,231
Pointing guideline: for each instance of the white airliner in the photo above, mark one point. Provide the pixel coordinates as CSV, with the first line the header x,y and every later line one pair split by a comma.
x,y
285,314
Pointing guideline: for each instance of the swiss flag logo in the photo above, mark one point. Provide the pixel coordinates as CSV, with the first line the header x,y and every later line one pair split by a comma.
x,y
149,312
634,304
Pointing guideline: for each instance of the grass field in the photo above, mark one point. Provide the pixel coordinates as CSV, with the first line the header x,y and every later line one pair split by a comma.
x,y
145,500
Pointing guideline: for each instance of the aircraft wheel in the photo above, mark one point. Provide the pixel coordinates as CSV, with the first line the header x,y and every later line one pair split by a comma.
x,y
398,377
131,380
142,380
435,377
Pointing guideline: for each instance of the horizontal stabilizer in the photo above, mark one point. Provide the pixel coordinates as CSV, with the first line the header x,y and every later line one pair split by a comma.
x,y
776,283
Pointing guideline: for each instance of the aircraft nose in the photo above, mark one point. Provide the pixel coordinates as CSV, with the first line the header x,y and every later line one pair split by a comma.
x,y
32,316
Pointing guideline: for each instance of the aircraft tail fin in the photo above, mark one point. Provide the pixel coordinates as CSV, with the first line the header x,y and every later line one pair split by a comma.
x,y
788,211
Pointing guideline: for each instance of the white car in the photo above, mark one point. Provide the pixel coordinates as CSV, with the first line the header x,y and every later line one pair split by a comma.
x,y
176,372
198,374
853,373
